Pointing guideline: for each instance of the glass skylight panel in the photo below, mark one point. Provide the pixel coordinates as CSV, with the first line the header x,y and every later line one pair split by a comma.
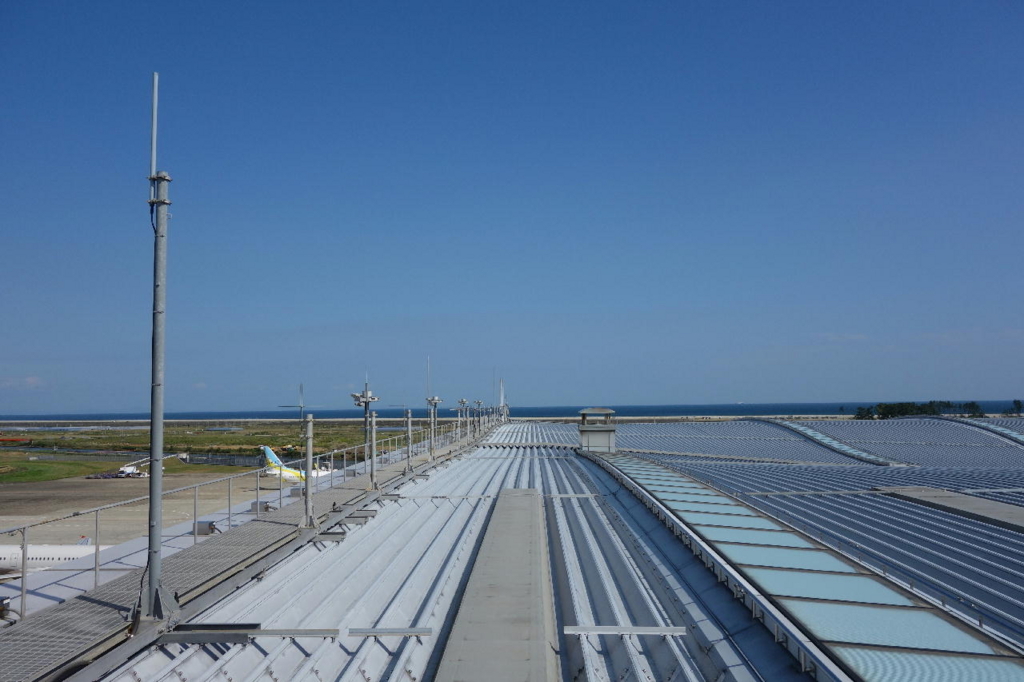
x,y
887,665
857,588
659,474
754,537
693,488
690,497
730,520
783,557
713,508
884,626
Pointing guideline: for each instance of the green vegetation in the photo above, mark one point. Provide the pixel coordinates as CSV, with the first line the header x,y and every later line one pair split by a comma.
x,y
932,407
180,437
22,467
193,437
15,467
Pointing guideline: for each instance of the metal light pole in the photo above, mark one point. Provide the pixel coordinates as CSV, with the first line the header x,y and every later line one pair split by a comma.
x,y
364,400
433,401
152,607
408,441
308,521
479,416
463,416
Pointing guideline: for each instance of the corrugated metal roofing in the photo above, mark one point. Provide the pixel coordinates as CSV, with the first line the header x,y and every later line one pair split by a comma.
x,y
831,598
934,442
974,566
614,565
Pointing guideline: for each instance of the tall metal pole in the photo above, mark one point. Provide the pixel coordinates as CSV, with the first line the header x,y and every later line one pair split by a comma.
x,y
158,202
433,430
364,400
23,606
96,553
408,440
309,521
463,419
366,417
373,450
433,402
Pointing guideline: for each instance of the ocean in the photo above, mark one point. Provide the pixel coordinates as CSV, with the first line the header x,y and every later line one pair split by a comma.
x,y
730,409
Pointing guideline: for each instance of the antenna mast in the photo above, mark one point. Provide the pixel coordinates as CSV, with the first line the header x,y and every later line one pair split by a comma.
x,y
152,603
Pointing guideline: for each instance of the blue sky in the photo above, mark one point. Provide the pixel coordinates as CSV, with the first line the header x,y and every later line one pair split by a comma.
x,y
602,202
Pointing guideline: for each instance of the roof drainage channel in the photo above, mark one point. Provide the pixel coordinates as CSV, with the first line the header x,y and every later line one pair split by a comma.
x,y
811,598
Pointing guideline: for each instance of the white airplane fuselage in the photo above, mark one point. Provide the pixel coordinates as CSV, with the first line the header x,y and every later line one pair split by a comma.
x,y
43,556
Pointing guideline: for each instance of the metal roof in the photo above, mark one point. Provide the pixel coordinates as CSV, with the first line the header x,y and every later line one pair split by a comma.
x,y
834,601
614,565
703,565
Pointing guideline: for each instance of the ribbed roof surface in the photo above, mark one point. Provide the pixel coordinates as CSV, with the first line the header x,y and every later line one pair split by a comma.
x,y
614,565
843,606
721,539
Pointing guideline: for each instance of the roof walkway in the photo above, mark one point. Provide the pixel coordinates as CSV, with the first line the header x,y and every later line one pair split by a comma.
x,y
505,627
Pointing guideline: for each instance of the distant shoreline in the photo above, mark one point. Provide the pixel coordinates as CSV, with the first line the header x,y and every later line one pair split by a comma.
x,y
29,423
832,410
11,423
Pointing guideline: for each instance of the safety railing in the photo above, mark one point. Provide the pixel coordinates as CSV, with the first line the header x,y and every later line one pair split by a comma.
x,y
335,466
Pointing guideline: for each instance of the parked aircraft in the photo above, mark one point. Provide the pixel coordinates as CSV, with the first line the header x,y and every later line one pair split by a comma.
x,y
44,556
277,468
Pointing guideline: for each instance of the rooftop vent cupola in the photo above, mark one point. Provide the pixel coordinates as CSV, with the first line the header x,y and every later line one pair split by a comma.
x,y
597,429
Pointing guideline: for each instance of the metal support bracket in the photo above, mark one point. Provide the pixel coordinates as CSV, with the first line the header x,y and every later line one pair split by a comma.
x,y
390,632
583,630
237,633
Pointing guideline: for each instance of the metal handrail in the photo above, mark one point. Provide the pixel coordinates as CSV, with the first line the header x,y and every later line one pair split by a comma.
x,y
444,435
134,500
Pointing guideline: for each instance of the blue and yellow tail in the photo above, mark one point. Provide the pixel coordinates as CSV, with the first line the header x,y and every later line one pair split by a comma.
x,y
272,459
275,463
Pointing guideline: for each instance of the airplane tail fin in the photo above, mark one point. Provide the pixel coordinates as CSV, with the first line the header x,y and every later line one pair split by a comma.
x,y
84,540
272,459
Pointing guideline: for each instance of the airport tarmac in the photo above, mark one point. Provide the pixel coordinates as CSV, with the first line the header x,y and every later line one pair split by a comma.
x,y
22,503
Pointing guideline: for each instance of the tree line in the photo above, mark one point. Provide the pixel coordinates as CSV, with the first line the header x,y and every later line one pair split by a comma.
x,y
934,408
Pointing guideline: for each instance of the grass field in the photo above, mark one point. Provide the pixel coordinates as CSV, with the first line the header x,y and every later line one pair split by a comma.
x,y
18,467
192,437
15,467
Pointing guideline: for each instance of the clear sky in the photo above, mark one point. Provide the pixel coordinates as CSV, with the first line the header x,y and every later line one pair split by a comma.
x,y
601,202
